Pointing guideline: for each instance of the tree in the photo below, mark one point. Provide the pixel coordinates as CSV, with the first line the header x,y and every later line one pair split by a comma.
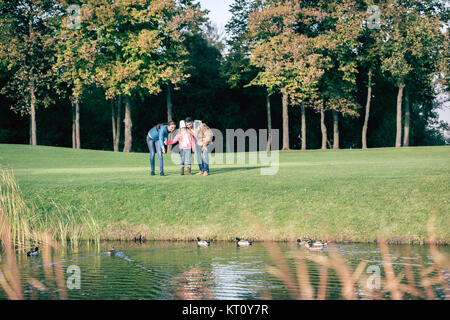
x,y
140,47
308,64
270,27
268,53
26,47
300,45
237,67
75,57
366,115
339,43
394,62
307,70
369,58
412,45
116,112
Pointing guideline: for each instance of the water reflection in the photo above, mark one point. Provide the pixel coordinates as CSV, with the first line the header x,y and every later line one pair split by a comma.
x,y
181,270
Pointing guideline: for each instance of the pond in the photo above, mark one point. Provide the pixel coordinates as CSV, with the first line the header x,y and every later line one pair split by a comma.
x,y
181,270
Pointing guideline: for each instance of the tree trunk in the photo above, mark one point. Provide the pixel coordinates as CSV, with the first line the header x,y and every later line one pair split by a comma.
x,y
33,115
285,122
128,124
269,123
303,127
398,136
169,112
323,128
407,119
77,123
113,120
118,124
33,139
74,141
335,129
366,117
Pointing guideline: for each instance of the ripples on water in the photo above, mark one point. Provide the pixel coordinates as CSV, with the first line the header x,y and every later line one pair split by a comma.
x,y
172,270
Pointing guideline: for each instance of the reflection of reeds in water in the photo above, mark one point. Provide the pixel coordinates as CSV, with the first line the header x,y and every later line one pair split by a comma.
x,y
63,223
10,279
354,283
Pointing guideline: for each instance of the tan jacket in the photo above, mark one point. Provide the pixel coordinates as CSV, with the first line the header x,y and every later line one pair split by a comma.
x,y
203,135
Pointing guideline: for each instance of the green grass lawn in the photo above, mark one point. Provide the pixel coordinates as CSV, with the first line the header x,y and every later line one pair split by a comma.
x,y
340,195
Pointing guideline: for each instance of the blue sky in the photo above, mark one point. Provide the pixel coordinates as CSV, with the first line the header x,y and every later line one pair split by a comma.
x,y
220,14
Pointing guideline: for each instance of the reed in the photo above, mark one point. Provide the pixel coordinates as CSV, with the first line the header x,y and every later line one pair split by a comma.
x,y
417,282
16,212
64,223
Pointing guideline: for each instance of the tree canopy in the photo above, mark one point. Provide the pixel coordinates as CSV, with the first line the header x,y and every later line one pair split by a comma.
x,y
324,58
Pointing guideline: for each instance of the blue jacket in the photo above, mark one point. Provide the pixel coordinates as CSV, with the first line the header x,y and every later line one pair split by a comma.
x,y
161,135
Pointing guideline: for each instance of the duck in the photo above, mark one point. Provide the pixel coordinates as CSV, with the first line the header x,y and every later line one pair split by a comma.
x,y
112,252
139,238
243,243
302,242
203,243
315,245
33,252
321,243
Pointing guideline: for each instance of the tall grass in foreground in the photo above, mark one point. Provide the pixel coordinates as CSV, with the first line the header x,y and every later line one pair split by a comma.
x,y
16,211
420,283
27,222
407,284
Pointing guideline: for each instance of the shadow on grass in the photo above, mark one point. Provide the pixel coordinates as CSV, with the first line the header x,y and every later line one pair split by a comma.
x,y
213,170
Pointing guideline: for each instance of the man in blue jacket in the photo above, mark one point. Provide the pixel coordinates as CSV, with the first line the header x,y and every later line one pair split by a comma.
x,y
155,142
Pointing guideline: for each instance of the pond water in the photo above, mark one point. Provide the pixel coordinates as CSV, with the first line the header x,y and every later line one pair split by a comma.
x,y
174,270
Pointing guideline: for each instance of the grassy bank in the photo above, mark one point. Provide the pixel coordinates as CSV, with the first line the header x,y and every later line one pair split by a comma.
x,y
339,195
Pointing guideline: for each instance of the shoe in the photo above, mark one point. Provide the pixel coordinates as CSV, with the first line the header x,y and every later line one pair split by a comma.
x,y
162,174
189,171
205,173
181,171
199,173
152,173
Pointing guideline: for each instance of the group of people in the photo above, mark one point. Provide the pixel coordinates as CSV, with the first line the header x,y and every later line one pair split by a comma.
x,y
189,139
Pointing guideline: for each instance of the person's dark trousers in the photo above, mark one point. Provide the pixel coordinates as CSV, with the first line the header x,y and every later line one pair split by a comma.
x,y
155,147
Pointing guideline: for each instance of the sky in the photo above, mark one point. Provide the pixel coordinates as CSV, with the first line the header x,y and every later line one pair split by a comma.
x,y
220,14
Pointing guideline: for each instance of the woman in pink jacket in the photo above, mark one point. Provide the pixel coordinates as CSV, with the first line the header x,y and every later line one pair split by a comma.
x,y
186,143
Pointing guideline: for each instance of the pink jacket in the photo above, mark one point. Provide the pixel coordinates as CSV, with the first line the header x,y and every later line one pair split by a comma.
x,y
178,138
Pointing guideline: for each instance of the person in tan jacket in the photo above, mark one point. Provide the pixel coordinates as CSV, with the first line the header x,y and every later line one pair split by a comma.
x,y
203,138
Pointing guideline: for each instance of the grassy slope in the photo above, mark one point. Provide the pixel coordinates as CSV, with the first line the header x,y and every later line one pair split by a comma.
x,y
341,195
